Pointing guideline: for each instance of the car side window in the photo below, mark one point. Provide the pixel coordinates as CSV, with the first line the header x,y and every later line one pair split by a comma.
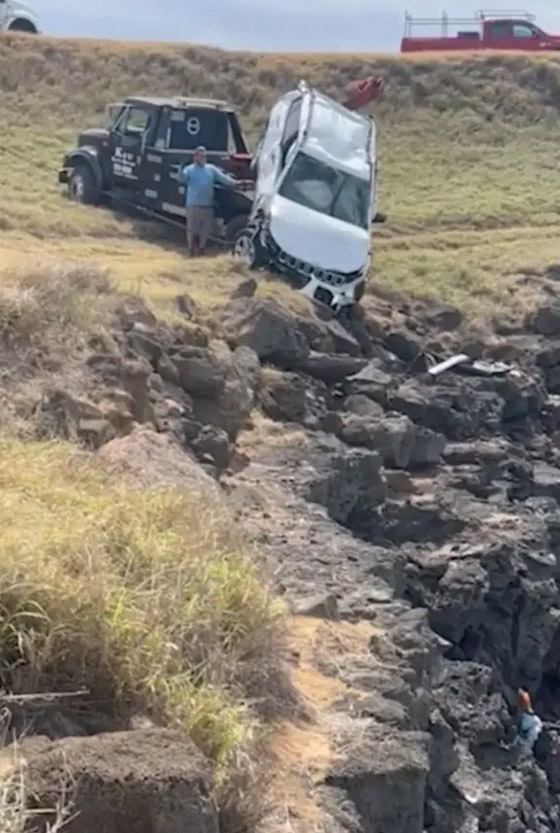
x,y
521,30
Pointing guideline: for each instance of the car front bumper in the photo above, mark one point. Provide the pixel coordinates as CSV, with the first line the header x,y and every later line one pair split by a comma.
x,y
331,289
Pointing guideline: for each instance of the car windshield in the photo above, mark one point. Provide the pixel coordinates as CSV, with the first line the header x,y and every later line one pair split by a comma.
x,y
327,190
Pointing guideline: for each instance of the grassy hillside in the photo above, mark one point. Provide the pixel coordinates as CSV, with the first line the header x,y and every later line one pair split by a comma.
x,y
468,147
470,179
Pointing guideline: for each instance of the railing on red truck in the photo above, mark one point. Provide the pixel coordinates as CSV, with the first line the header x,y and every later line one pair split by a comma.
x,y
445,22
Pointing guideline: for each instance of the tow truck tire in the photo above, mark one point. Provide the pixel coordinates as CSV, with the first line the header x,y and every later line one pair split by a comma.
x,y
82,187
248,251
235,227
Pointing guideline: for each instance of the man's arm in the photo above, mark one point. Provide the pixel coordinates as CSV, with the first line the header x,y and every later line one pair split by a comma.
x,y
223,179
184,174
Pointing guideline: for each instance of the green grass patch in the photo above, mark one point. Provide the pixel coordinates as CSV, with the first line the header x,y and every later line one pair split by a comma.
x,y
145,598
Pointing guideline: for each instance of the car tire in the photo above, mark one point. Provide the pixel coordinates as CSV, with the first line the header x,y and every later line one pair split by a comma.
x,y
82,187
248,251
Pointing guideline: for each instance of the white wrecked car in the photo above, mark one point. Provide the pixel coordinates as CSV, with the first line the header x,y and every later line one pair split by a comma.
x,y
314,200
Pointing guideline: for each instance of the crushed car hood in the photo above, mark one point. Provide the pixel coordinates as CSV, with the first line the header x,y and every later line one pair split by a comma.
x,y
317,239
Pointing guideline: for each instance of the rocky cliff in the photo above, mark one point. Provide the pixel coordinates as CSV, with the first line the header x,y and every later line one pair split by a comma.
x,y
423,509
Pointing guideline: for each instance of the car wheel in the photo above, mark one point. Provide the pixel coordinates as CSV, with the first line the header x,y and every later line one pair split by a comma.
x,y
82,187
248,251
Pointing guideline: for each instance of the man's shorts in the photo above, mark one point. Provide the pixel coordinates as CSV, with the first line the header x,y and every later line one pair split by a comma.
x,y
200,220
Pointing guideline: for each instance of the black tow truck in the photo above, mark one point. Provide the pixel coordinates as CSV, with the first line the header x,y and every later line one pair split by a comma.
x,y
134,160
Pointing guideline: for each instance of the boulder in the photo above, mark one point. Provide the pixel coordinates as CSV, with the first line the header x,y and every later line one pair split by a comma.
x,y
371,381
458,411
168,370
231,408
361,405
145,342
212,445
393,437
267,328
343,340
385,777
444,317
428,447
117,406
331,368
547,320
201,372
134,311
61,414
151,460
190,334
316,334
186,305
95,432
289,397
404,345
549,356
135,380
244,289
319,606
146,780
347,482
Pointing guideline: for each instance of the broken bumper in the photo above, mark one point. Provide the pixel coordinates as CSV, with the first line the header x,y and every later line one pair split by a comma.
x,y
334,289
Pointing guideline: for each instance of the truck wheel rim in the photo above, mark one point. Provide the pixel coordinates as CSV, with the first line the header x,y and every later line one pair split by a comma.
x,y
77,187
244,249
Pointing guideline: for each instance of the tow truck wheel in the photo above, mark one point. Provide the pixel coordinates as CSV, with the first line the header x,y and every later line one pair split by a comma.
x,y
248,251
81,186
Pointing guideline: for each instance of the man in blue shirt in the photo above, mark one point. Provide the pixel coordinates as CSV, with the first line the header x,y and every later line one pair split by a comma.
x,y
200,180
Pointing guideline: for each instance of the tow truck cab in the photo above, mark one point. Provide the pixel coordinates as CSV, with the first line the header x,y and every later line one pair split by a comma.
x,y
486,30
135,158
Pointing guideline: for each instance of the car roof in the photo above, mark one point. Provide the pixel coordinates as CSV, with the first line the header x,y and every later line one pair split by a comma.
x,y
179,102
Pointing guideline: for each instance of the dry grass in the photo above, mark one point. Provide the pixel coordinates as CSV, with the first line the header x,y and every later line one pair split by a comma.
x,y
15,803
55,302
146,599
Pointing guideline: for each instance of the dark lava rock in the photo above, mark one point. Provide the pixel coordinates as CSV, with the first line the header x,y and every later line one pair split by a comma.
x,y
547,320
549,356
267,328
212,443
393,437
361,405
404,345
245,289
230,408
201,372
289,397
444,317
331,368
372,381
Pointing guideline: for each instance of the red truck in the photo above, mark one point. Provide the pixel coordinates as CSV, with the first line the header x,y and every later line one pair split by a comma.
x,y
514,30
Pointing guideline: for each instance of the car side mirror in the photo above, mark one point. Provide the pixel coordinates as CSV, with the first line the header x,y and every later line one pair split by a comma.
x,y
379,218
